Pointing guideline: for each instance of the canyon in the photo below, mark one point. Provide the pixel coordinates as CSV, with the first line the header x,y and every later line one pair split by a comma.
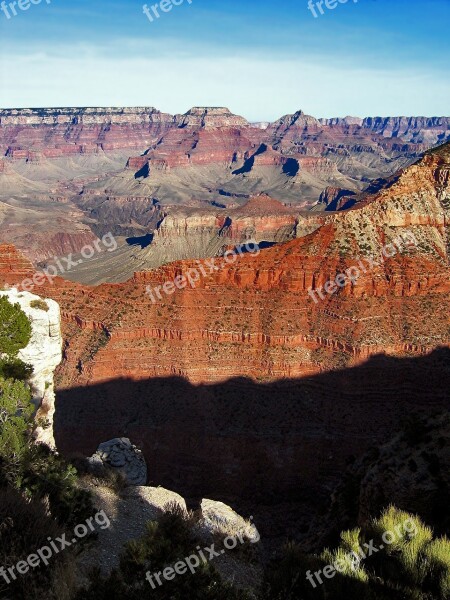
x,y
69,175
244,374
224,301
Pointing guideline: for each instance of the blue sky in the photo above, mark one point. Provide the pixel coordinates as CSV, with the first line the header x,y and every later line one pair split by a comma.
x,y
260,58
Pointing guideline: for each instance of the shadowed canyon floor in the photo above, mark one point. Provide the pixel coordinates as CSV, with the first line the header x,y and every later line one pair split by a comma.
x,y
273,449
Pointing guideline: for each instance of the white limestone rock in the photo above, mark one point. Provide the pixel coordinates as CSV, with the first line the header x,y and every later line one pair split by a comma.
x,y
43,353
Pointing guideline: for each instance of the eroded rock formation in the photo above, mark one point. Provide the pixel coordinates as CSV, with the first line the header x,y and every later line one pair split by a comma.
x,y
231,308
68,175
245,374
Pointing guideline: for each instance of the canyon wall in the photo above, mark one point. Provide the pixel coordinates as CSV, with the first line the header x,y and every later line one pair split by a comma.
x,y
273,305
51,133
68,175
245,374
33,134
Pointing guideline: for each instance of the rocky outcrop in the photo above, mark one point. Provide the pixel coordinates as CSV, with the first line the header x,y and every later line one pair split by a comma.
x,y
190,233
124,458
14,267
121,215
342,121
261,219
352,136
43,353
422,130
210,117
299,121
130,512
158,497
32,134
83,116
190,146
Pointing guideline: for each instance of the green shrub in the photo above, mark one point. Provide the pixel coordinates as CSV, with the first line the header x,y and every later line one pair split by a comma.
x,y
16,411
411,566
46,474
400,560
15,328
436,556
24,528
14,368
34,468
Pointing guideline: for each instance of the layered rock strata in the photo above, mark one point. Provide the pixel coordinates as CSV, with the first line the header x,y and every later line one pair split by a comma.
x,y
244,374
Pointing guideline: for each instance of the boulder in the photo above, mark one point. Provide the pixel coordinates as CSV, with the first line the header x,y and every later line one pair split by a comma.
x,y
120,454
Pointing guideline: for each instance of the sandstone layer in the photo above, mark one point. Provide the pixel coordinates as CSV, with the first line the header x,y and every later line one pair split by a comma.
x,y
188,233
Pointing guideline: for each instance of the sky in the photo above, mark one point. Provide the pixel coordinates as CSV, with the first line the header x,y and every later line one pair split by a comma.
x,y
262,59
